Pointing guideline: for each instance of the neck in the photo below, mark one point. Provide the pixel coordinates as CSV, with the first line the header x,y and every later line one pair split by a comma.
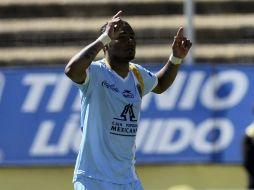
x,y
120,66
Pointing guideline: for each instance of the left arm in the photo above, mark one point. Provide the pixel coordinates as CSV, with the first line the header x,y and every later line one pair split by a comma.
x,y
167,74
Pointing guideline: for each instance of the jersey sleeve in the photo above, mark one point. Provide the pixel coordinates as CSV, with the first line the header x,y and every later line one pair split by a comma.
x,y
86,88
149,78
90,81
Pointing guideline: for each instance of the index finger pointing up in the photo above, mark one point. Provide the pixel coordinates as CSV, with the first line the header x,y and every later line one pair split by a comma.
x,y
117,14
180,32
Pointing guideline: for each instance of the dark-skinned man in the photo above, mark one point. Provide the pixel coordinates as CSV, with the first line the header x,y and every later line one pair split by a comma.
x,y
111,92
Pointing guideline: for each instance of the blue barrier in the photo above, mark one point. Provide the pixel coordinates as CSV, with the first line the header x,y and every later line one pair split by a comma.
x,y
201,118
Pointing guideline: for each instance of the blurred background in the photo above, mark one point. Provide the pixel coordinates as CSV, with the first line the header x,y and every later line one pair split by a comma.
x,y
189,137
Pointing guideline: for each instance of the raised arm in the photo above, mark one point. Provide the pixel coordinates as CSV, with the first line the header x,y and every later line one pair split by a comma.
x,y
167,74
76,67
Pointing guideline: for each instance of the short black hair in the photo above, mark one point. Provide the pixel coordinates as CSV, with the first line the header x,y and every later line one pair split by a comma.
x,y
103,27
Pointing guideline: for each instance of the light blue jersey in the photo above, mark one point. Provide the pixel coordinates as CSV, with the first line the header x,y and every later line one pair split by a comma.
x,y
110,110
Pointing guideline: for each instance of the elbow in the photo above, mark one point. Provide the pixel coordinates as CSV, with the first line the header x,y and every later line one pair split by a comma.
x,y
70,69
67,71
75,73
160,92
161,87
158,89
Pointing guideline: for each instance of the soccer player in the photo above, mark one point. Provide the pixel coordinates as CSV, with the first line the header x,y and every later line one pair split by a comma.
x,y
111,91
248,154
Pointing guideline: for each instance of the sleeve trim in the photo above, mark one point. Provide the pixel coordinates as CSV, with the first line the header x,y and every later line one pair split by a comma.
x,y
155,84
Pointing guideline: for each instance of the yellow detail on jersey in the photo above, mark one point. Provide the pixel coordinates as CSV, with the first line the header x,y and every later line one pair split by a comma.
x,y
138,76
136,72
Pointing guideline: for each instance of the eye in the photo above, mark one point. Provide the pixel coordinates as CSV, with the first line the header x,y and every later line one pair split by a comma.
x,y
123,36
127,37
132,37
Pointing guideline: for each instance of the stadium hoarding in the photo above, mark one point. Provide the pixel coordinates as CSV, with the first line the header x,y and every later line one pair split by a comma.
x,y
201,118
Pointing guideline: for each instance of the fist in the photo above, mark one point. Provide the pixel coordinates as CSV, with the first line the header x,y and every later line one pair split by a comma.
x,y
114,26
181,45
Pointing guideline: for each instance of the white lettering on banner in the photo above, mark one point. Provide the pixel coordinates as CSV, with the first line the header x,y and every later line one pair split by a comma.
x,y
150,145
163,101
226,129
41,145
239,83
153,137
157,136
187,91
2,83
59,95
190,94
186,129
38,84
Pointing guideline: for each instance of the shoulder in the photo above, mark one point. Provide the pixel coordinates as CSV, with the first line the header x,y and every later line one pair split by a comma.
x,y
144,71
99,64
140,68
137,66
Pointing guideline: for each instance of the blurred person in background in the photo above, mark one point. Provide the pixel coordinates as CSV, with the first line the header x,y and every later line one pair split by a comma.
x,y
111,91
248,153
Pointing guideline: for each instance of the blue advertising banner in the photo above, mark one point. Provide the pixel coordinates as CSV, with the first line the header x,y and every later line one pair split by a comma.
x,y
201,118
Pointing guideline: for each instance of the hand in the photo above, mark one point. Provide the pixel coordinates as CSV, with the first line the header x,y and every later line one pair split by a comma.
x,y
114,26
181,44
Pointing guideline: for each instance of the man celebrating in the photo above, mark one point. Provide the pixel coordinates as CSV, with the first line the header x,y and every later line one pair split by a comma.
x,y
111,91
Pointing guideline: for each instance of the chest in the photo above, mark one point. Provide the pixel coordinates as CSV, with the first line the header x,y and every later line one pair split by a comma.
x,y
120,89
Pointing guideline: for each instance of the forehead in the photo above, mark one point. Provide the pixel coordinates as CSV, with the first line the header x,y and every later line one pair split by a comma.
x,y
127,28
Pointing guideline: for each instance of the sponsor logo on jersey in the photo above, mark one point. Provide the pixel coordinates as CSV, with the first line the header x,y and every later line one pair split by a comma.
x,y
127,114
109,86
122,128
127,94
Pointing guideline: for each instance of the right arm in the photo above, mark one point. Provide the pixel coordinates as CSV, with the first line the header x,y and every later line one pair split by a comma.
x,y
76,67
166,76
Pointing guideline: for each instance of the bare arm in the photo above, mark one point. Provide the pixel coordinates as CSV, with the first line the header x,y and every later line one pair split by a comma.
x,y
167,74
166,77
76,67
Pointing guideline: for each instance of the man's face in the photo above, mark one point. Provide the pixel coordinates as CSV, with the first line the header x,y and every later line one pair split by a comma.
x,y
125,46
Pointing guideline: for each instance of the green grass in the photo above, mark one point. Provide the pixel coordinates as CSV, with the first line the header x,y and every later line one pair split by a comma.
x,y
54,178
196,176
153,177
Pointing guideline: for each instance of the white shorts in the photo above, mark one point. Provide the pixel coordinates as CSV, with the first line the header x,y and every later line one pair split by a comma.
x,y
93,184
